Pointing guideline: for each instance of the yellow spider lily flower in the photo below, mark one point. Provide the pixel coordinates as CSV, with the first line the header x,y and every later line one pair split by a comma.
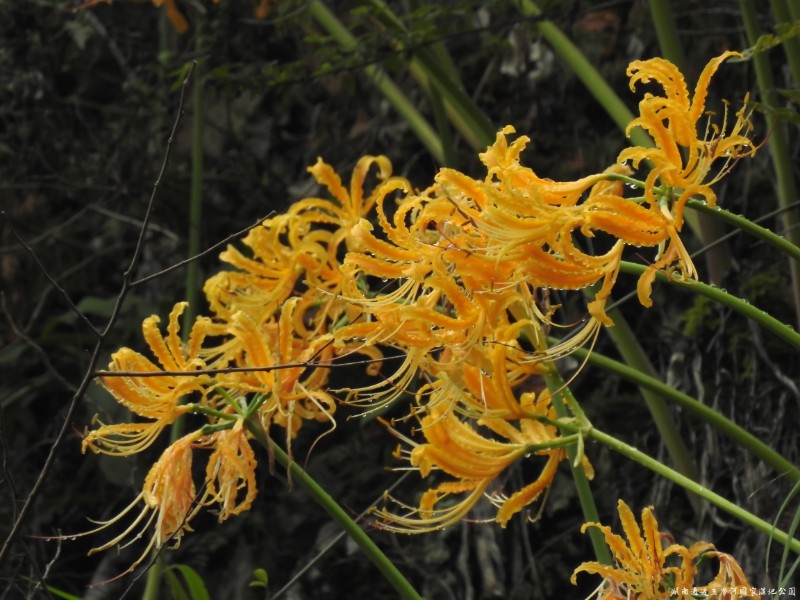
x,y
526,225
295,391
458,449
170,491
302,243
169,498
460,263
231,468
681,159
169,495
646,570
155,397
445,299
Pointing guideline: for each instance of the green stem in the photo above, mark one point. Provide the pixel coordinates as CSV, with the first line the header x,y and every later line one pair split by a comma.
x,y
378,558
791,46
772,238
722,503
743,307
562,397
667,32
426,134
671,475
561,401
794,13
433,69
152,585
777,144
736,433
195,197
634,355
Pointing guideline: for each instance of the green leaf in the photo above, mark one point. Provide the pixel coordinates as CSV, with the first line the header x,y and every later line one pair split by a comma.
x,y
768,41
176,591
191,580
93,305
260,578
60,594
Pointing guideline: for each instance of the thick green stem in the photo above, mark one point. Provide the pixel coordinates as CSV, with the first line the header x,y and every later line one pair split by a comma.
x,y
634,355
378,558
794,13
395,96
667,32
152,585
565,403
772,238
562,397
768,322
432,68
729,507
664,471
718,421
791,46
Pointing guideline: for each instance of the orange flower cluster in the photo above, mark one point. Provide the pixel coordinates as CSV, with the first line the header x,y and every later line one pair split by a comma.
x,y
646,570
436,290
264,358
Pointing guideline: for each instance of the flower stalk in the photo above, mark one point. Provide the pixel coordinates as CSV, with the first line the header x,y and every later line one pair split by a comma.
x,y
356,533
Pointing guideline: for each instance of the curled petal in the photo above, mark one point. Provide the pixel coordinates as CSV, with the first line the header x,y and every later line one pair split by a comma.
x,y
231,469
169,490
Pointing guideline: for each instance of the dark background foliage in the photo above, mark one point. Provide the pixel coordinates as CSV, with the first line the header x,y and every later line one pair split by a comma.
x,y
88,100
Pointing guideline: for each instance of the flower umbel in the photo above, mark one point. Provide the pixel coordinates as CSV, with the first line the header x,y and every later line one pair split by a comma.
x,y
646,570
170,502
476,455
466,268
151,397
683,160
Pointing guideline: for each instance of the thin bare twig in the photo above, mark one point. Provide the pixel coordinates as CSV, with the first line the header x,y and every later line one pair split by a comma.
x,y
47,275
307,364
227,240
325,549
107,212
49,233
88,375
39,350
